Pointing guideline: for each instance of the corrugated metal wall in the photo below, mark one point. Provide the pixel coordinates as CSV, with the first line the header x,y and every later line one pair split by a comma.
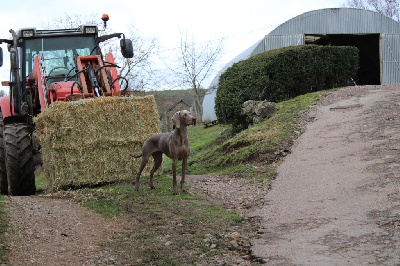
x,y
209,106
390,58
278,41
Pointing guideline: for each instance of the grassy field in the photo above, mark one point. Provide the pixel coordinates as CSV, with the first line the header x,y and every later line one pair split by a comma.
x,y
189,229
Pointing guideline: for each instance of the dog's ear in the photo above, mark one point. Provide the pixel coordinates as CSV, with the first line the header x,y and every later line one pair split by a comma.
x,y
176,119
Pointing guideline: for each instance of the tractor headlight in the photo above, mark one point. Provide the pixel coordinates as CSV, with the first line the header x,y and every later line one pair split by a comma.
x,y
28,33
90,30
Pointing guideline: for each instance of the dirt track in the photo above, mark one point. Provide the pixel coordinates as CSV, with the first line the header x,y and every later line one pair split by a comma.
x,y
336,200
49,231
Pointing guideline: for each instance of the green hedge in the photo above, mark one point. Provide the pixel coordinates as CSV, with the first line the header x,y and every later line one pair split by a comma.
x,y
282,74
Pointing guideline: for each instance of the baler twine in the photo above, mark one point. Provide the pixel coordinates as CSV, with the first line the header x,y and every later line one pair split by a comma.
x,y
133,108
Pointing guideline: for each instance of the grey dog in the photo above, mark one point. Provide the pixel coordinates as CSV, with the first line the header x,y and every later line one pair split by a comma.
x,y
174,144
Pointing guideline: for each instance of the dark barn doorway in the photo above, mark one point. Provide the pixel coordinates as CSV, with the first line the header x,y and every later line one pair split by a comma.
x,y
368,44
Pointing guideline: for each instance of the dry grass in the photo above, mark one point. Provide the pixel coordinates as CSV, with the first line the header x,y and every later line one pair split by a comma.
x,y
89,142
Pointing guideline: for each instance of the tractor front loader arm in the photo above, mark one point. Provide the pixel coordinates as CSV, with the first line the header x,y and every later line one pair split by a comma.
x,y
15,84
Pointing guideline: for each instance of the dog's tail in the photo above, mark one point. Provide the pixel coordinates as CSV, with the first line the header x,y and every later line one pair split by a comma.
x,y
136,156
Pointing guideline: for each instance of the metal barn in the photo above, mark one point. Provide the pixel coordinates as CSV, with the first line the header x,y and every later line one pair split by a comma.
x,y
375,35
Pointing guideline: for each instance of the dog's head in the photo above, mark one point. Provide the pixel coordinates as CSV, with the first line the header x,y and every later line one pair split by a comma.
x,y
183,117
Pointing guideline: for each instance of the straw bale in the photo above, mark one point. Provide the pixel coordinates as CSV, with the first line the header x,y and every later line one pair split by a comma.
x,y
89,142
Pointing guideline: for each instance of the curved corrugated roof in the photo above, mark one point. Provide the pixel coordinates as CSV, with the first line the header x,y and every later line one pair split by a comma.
x,y
338,20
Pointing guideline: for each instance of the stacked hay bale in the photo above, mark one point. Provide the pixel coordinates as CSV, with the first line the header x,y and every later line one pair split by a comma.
x,y
89,142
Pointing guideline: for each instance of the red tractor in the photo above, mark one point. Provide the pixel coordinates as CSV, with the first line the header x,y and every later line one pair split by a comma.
x,y
48,66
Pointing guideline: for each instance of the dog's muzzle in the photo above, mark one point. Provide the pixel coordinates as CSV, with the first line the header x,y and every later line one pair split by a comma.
x,y
189,121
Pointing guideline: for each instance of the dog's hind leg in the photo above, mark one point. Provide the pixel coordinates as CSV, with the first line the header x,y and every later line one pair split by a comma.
x,y
157,157
174,163
142,165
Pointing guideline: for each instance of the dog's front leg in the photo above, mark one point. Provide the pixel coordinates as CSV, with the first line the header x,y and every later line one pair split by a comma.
x,y
174,163
184,164
137,182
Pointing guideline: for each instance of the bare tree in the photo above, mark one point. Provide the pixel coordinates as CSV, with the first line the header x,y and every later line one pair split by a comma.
x,y
139,69
389,8
356,4
136,70
71,21
196,61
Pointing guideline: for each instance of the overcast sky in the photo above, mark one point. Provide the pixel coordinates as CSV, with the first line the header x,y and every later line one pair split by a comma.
x,y
240,23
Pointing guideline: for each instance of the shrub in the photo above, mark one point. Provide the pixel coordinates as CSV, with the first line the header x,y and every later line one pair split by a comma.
x,y
282,74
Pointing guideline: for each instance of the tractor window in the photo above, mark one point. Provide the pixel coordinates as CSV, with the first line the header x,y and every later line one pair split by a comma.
x,y
58,53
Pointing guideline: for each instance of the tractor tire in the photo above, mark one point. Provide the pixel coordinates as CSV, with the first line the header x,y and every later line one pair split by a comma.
x,y
19,159
3,172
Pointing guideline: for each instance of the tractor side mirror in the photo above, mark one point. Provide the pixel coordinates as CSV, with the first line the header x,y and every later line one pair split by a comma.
x,y
126,48
1,57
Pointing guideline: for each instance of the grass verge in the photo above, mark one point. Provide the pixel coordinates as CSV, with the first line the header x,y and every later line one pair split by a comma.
x,y
3,228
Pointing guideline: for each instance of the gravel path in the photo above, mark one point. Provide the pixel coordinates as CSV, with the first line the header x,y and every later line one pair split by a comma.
x,y
336,198
49,231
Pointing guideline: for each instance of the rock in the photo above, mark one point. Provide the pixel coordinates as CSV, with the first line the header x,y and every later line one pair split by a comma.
x,y
246,257
234,235
208,238
248,107
255,111
233,244
264,109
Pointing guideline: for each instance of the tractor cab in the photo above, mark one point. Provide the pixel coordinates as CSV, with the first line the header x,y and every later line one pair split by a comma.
x,y
67,64
63,64
51,60
56,52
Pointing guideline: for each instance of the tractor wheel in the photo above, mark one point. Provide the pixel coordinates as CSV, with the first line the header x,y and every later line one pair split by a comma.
x,y
3,172
19,159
